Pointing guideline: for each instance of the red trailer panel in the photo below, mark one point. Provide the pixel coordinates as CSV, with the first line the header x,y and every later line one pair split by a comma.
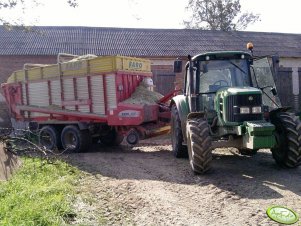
x,y
88,91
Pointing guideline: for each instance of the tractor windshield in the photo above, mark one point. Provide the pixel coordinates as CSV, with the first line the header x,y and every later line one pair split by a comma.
x,y
216,74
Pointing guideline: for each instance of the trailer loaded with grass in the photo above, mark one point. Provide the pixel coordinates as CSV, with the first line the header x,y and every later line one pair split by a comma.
x,y
85,99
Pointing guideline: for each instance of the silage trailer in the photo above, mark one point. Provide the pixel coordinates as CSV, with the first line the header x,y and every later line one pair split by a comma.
x,y
76,101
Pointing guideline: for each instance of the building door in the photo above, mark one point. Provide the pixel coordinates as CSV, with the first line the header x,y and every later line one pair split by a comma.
x,y
164,82
284,86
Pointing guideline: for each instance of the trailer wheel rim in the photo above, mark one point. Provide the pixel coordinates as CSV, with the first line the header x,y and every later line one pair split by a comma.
x,y
46,139
132,138
70,140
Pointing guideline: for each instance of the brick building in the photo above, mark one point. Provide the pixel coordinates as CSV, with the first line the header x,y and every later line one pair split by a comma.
x,y
162,46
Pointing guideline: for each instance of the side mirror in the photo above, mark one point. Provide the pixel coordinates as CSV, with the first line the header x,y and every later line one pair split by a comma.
x,y
177,66
205,68
274,91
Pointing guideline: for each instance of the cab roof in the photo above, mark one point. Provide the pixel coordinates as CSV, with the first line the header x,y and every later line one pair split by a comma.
x,y
222,55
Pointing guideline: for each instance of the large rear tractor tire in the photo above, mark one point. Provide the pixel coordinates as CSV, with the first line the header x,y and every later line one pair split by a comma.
x,y
199,145
75,140
49,137
287,152
179,150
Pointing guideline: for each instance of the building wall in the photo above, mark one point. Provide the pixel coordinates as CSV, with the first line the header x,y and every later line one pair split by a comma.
x,y
290,68
164,67
9,64
295,64
164,78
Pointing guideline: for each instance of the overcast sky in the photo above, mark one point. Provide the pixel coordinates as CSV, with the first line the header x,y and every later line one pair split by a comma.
x,y
276,16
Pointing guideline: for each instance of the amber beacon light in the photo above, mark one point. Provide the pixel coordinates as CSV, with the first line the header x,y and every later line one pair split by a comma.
x,y
250,46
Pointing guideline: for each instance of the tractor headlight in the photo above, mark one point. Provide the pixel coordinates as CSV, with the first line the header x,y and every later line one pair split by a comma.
x,y
256,110
244,110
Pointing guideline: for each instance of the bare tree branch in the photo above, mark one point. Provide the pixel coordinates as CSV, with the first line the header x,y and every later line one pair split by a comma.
x,y
27,143
14,4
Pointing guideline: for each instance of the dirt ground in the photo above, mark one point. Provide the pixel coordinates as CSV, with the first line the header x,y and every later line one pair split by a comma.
x,y
146,185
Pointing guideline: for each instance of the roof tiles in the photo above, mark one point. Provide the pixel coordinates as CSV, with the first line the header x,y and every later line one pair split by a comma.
x,y
142,42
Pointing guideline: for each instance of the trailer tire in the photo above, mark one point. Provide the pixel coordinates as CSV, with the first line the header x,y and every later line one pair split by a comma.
x,y
95,140
75,140
287,152
112,138
199,145
49,137
132,137
179,150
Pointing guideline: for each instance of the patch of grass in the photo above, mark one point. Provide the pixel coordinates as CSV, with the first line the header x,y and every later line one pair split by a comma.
x,y
39,194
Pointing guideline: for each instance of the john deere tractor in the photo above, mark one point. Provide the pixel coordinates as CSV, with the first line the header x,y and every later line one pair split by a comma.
x,y
230,100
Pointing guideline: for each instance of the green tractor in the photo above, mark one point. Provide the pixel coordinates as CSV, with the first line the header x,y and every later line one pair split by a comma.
x,y
230,100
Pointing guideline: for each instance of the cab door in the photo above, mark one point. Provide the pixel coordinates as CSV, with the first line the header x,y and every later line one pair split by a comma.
x,y
263,79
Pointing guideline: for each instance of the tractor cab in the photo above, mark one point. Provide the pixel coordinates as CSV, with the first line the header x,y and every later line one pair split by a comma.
x,y
216,71
232,84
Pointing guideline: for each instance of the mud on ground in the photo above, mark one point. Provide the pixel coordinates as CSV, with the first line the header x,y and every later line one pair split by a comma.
x,y
146,185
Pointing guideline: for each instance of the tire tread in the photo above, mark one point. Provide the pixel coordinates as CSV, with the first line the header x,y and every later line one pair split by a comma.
x,y
199,145
179,150
288,152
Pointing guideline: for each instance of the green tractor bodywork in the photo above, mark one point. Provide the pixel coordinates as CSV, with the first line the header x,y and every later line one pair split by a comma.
x,y
255,134
230,100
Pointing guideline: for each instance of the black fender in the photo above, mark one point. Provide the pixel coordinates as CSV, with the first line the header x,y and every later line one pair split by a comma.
x,y
274,112
181,102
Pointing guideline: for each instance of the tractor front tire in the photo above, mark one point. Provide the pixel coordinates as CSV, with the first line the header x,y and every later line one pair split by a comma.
x,y
287,152
199,145
179,150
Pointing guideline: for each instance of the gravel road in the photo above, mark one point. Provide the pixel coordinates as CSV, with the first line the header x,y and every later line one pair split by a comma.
x,y
146,185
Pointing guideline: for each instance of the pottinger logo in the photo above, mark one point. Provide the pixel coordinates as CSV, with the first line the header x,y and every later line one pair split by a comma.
x,y
129,114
